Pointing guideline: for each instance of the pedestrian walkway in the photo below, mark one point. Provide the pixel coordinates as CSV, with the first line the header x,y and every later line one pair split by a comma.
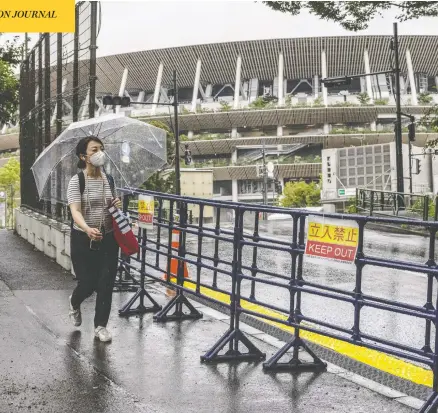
x,y
49,366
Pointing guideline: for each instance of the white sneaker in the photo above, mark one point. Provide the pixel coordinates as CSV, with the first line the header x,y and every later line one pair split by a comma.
x,y
102,334
75,315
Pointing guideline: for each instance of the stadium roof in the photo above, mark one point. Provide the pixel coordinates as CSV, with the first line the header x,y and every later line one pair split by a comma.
x,y
283,116
303,170
227,146
302,59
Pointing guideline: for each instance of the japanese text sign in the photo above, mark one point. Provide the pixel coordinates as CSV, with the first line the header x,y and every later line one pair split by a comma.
x,y
145,211
330,238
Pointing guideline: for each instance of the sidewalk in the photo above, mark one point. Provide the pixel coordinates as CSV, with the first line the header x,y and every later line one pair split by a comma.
x,y
49,366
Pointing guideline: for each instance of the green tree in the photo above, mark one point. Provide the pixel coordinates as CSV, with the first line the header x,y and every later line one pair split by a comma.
x,y
300,194
318,102
8,93
10,184
425,98
351,207
381,102
263,102
160,181
356,15
10,56
430,121
363,98
225,106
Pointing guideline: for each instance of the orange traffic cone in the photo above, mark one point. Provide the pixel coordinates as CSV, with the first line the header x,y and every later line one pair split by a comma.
x,y
174,262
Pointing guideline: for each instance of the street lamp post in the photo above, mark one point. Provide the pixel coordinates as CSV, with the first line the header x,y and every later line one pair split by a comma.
x,y
125,101
346,80
398,126
176,132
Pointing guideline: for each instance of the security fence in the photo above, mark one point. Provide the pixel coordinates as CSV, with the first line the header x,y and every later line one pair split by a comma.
x,y
397,204
57,86
229,267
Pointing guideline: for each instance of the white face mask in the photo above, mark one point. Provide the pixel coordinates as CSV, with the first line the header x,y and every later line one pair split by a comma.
x,y
98,158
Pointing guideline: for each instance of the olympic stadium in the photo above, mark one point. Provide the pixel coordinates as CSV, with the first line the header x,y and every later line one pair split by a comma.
x,y
239,98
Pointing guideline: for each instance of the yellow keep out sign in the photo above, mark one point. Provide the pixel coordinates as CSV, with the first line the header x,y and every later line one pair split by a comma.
x,y
146,207
37,16
329,238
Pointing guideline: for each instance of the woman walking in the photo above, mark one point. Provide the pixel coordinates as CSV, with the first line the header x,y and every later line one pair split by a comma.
x,y
94,251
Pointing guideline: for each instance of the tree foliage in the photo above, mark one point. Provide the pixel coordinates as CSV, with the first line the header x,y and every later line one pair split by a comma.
x,y
356,15
363,98
300,194
8,93
10,184
10,57
263,102
158,182
430,121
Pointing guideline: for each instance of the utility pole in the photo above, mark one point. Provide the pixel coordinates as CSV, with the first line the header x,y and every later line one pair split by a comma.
x,y
125,101
265,176
346,80
410,167
176,131
398,124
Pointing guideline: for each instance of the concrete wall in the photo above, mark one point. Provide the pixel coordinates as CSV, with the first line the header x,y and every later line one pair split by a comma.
x,y
46,235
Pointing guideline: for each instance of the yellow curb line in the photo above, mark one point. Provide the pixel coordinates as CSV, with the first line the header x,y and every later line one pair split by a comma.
x,y
373,358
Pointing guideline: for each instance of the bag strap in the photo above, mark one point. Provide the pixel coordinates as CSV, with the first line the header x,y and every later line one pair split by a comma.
x,y
81,181
112,185
81,178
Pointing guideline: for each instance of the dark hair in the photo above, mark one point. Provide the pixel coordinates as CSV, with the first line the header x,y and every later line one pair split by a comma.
x,y
81,149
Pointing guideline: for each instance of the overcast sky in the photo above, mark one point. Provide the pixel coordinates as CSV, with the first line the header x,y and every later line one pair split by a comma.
x,y
132,25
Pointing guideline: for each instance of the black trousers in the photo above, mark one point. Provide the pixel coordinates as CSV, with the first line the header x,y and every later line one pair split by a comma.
x,y
95,271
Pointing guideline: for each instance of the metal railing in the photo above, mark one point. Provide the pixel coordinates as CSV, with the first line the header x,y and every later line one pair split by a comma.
x,y
227,262
385,203
57,86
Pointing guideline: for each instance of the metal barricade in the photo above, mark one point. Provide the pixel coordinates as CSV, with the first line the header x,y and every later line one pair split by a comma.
x,y
229,273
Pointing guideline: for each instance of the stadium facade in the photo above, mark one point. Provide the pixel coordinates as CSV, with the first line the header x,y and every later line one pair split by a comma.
x,y
241,98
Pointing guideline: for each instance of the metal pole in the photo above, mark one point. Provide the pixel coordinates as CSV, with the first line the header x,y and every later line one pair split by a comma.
x,y
93,47
25,45
398,127
265,179
76,66
410,168
176,131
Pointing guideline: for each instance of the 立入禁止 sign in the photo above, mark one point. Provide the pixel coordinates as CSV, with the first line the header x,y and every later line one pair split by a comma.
x,y
145,211
330,238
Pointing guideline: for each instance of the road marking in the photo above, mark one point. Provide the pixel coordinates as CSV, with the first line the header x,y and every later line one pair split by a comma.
x,y
373,358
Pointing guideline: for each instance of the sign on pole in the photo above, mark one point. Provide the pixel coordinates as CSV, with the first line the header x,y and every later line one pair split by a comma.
x,y
346,192
146,211
334,239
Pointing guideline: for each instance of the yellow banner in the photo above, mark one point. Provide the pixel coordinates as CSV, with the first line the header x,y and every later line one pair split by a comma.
x,y
35,16
332,234
146,206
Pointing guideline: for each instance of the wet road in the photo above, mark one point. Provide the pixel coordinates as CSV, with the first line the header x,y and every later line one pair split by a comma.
x,y
403,286
48,366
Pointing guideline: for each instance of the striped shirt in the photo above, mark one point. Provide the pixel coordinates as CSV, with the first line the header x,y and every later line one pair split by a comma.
x,y
93,189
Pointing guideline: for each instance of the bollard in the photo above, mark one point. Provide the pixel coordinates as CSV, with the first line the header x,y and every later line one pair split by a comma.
x,y
67,238
39,224
18,220
24,223
49,247
33,216
59,241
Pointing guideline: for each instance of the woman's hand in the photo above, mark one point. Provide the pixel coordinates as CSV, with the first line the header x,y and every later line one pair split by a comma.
x,y
94,234
116,203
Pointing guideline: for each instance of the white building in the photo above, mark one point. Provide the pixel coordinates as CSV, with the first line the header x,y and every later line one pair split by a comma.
x,y
374,167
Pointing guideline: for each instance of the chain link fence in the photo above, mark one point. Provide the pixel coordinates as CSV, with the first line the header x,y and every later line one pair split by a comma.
x,y
57,87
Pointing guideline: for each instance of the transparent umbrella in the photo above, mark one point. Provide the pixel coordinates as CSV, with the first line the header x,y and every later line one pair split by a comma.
x,y
135,150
